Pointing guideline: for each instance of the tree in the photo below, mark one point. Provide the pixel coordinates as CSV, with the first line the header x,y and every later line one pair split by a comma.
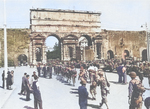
x,y
55,53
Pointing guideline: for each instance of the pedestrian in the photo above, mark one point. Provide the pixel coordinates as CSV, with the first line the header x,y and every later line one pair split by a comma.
x,y
32,78
93,90
37,94
28,88
39,70
9,81
119,71
23,87
83,95
136,90
49,70
103,85
44,71
3,79
74,75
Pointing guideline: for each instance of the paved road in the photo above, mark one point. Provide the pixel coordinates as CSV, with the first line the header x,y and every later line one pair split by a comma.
x,y
57,94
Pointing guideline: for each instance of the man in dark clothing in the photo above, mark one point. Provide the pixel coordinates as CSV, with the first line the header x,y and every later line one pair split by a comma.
x,y
27,88
44,71
3,79
49,70
37,94
39,70
23,87
83,95
8,82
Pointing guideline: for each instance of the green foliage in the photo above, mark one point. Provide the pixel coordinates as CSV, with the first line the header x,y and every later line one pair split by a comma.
x,y
10,63
55,53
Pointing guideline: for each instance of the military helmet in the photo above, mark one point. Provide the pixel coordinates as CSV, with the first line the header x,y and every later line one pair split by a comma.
x,y
133,74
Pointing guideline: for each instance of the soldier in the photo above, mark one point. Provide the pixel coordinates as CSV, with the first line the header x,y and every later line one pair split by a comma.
x,y
135,92
93,90
50,71
44,71
74,75
103,86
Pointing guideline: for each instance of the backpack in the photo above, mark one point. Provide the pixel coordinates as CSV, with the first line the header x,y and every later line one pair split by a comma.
x,y
138,90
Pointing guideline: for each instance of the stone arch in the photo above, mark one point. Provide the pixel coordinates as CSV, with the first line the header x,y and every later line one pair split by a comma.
x,y
71,52
59,41
88,38
22,58
127,53
55,35
70,37
110,54
144,55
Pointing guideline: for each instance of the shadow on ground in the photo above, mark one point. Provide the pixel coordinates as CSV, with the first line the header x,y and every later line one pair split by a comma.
x,y
27,107
93,106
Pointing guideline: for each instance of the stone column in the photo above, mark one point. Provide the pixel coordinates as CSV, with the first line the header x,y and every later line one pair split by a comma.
x,y
62,51
95,51
43,54
30,52
34,54
74,51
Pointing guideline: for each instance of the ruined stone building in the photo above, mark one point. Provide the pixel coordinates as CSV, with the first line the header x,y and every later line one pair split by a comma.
x,y
80,37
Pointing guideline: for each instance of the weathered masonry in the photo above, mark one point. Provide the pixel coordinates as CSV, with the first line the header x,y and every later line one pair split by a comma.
x,y
67,26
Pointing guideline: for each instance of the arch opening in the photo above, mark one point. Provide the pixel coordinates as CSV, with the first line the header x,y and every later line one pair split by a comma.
x,y
110,54
22,59
144,55
53,47
126,53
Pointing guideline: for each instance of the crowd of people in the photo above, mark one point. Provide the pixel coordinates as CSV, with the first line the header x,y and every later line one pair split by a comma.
x,y
93,73
28,87
9,79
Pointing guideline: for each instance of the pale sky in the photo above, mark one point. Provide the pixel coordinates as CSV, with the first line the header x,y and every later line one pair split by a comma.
x,y
116,14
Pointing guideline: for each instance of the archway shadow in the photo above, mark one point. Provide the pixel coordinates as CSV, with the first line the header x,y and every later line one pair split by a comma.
x,y
93,106
27,107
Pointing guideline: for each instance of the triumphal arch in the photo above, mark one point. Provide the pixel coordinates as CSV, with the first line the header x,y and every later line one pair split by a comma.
x,y
67,26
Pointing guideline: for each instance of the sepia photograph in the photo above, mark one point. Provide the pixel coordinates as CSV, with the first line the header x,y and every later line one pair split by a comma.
x,y
74,54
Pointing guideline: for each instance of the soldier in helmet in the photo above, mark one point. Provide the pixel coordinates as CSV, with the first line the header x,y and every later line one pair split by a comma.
x,y
103,86
136,90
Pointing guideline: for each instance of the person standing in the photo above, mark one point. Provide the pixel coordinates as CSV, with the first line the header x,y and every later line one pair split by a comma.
x,y
44,71
83,95
27,84
3,79
8,82
37,94
23,87
136,90
119,71
74,75
39,70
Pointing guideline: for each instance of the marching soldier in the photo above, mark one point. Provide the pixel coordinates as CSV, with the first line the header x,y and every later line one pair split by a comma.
x,y
136,90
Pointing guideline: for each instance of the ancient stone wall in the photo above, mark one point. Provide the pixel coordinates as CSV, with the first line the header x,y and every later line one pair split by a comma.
x,y
17,43
133,41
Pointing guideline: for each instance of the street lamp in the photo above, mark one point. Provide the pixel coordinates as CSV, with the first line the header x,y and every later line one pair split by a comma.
x,y
148,39
5,45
